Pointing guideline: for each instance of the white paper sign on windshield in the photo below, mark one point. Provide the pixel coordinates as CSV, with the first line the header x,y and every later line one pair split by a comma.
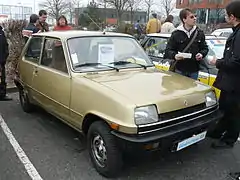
x,y
105,53
74,58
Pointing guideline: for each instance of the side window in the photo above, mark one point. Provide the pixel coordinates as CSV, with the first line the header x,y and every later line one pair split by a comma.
x,y
156,46
53,55
226,34
34,49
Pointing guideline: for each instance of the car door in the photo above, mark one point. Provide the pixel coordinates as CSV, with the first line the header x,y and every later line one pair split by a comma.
x,y
51,80
155,49
30,61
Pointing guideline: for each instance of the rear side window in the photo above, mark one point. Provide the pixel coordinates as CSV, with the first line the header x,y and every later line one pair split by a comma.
x,y
53,55
33,50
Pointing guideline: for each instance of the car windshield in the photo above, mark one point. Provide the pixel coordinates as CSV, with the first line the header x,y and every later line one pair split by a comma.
x,y
105,53
156,46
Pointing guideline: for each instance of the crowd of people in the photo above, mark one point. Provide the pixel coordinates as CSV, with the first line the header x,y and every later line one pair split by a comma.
x,y
154,25
37,23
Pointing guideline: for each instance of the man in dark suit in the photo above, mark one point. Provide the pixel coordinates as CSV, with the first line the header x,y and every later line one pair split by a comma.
x,y
4,52
227,80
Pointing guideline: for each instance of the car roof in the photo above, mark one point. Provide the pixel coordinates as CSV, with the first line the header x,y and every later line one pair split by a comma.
x,y
223,30
168,35
78,33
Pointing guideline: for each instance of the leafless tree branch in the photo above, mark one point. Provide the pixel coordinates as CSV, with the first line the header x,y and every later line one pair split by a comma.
x,y
55,8
168,6
149,4
133,5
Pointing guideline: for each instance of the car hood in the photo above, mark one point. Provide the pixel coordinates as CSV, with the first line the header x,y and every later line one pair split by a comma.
x,y
167,90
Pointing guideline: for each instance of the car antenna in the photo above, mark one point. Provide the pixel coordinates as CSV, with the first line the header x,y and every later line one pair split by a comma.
x,y
95,23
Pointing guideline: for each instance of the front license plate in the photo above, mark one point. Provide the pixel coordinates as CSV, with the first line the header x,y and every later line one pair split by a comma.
x,y
194,139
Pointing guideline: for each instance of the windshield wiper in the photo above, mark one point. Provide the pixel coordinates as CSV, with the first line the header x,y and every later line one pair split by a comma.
x,y
94,64
127,62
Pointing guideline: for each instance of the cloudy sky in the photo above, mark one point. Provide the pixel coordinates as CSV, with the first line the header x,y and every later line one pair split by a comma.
x,y
30,3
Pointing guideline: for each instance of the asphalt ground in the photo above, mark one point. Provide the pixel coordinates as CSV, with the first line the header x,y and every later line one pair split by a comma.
x,y
50,150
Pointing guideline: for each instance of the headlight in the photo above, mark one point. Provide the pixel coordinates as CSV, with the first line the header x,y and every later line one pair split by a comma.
x,y
146,115
210,99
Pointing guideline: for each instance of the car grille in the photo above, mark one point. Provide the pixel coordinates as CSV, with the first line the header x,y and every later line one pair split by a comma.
x,y
177,117
181,112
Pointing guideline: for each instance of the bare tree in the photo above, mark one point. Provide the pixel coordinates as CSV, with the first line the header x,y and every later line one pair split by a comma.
x,y
72,4
133,6
168,6
119,5
149,4
55,8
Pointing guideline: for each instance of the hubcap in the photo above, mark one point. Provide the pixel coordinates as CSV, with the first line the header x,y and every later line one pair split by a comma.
x,y
99,150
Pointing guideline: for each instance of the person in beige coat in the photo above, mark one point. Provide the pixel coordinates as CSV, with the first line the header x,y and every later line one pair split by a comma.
x,y
153,25
168,26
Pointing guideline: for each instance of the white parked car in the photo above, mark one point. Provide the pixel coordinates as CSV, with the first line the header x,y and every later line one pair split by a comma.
x,y
224,32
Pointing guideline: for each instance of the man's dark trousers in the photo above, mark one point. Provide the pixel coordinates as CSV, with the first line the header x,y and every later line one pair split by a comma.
x,y
228,127
3,85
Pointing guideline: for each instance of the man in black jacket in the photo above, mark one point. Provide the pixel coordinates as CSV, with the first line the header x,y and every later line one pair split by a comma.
x,y
3,57
31,28
180,38
228,81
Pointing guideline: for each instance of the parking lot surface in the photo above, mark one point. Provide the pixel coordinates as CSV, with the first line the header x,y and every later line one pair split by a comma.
x,y
58,152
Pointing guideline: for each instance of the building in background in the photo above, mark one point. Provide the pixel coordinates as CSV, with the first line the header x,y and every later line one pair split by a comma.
x,y
15,12
110,16
208,11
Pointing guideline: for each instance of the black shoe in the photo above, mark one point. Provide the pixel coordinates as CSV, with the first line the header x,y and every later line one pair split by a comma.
x,y
214,136
5,98
222,145
235,175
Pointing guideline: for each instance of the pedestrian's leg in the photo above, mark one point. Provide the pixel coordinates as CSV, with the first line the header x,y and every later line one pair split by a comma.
x,y
180,72
3,81
233,128
227,125
3,84
223,122
3,74
193,75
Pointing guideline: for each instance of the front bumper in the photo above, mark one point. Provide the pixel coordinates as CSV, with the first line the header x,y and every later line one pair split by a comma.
x,y
174,132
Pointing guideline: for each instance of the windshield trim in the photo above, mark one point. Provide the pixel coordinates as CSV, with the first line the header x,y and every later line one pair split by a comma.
x,y
107,69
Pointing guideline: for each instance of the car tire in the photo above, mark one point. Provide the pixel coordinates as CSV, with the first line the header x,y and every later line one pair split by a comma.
x,y
24,101
101,140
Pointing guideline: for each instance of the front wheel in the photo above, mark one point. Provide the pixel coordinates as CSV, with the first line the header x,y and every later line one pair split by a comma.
x,y
104,152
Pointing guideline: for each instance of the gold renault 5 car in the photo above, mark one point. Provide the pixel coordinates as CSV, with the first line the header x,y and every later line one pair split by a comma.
x,y
105,86
155,44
